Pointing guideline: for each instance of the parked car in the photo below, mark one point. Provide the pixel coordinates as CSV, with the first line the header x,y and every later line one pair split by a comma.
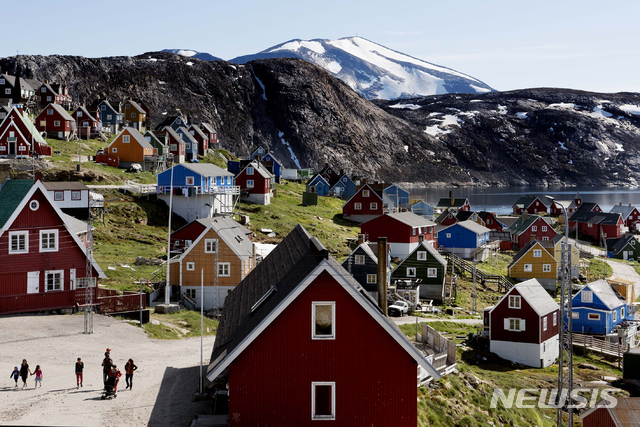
x,y
398,308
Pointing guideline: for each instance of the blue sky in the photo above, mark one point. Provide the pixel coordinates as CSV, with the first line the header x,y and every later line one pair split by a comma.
x,y
588,45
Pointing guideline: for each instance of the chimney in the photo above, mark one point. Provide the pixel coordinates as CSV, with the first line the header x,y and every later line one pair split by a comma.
x,y
253,254
620,204
525,215
360,239
452,200
382,274
629,204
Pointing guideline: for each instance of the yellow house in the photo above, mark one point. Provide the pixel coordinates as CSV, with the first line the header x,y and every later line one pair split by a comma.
x,y
534,261
134,116
217,253
575,254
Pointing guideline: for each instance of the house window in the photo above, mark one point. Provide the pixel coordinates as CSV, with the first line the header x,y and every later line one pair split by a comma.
x,y
544,323
48,240
85,124
575,315
44,89
108,116
23,148
126,106
1,81
372,278
555,319
545,238
7,91
174,147
76,195
189,180
323,400
210,246
103,107
411,272
594,316
514,301
323,316
188,146
34,205
133,115
357,206
53,280
516,325
589,225
534,228
359,259
546,268
79,113
58,196
365,193
432,272
249,183
126,139
250,170
49,99
537,253
191,266
528,268
178,121
56,122
187,243
622,312
544,228
448,235
422,255
50,112
586,296
191,293
19,242
224,269
615,316
373,206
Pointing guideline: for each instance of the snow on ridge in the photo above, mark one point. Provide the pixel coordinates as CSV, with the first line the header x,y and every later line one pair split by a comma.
x,y
521,115
264,92
562,105
190,64
562,145
186,52
631,109
600,113
480,89
405,106
286,144
502,109
447,120
296,45
618,147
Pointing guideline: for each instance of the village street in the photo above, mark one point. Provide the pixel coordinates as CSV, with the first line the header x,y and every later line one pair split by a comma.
x,y
164,384
412,319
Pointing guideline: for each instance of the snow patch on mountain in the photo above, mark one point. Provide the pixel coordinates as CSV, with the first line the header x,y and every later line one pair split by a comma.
x,y
296,45
294,158
407,106
631,109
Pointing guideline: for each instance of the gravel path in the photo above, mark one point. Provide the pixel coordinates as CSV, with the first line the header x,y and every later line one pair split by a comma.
x,y
626,271
164,384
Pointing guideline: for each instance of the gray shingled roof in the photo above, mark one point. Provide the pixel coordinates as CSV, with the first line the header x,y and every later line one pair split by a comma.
x,y
197,130
472,226
135,133
136,107
208,127
625,211
605,292
63,113
87,114
233,234
259,169
411,219
537,297
207,169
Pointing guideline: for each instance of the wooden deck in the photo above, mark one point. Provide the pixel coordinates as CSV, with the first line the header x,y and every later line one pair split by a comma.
x,y
598,345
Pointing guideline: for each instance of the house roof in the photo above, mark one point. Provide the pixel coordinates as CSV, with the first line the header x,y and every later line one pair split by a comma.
x,y
522,224
625,211
537,297
186,135
11,195
273,285
107,103
526,201
625,413
259,169
174,134
197,130
605,292
153,137
431,250
585,215
136,107
86,112
78,227
208,127
471,226
64,185
445,202
35,133
410,219
207,169
444,216
232,233
464,215
63,113
168,121
367,249
136,135
619,244
526,248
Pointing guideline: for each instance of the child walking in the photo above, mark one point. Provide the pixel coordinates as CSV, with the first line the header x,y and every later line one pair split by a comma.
x,y
15,374
79,369
38,374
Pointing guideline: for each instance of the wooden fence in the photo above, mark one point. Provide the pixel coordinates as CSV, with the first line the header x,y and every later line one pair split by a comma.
x,y
139,189
445,350
592,343
117,303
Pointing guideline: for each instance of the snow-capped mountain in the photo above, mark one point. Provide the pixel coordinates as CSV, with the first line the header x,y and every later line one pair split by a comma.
x,y
373,70
193,54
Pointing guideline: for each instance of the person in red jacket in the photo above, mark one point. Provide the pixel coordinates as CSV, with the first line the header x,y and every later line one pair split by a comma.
x,y
114,375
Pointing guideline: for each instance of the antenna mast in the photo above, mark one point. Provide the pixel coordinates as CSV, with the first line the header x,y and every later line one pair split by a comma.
x,y
89,281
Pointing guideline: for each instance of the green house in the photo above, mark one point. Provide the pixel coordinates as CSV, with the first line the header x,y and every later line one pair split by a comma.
x,y
427,264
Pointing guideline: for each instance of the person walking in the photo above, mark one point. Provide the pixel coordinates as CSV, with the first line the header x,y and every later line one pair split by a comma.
x,y
115,374
15,375
107,363
24,372
129,368
79,370
38,374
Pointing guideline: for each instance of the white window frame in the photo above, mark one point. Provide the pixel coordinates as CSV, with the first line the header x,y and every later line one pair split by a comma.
x,y
575,315
448,235
544,323
191,266
76,195
187,242
515,301
534,228
528,268
207,243
544,228
411,271
514,324
594,316
249,170
432,272
48,232
24,234
546,268
586,296
545,238
622,313
174,147
250,183
224,269
422,255
615,316
373,206
46,280
58,193
114,150
79,114
359,260
555,319
126,139
34,205
357,206
372,278
365,193
191,293
56,122
537,253
331,336
313,401
189,180
7,91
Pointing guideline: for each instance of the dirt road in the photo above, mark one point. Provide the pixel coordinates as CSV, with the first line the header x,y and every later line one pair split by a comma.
x,y
163,388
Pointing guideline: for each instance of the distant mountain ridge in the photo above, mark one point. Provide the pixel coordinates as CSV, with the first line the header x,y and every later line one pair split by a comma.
x,y
189,53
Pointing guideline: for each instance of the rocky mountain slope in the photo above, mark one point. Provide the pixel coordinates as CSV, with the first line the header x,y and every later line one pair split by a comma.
x,y
308,117
189,53
372,70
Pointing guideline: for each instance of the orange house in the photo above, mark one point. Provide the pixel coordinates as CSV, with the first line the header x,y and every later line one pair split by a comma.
x,y
132,147
134,116
204,243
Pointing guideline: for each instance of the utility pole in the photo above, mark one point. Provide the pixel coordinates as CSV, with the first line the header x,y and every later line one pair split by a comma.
x,y
89,281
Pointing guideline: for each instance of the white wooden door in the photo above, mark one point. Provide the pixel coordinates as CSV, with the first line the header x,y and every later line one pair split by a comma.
x,y
72,279
625,255
33,282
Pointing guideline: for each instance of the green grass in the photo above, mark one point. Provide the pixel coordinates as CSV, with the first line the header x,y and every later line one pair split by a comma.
x,y
599,269
183,324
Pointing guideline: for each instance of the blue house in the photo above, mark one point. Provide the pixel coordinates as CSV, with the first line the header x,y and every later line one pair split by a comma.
x,y
191,144
199,190
598,309
344,188
174,122
277,166
464,238
423,209
398,196
109,117
319,185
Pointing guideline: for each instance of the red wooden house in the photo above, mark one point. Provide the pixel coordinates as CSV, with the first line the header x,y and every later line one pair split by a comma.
x,y
211,133
597,225
363,206
255,183
330,174
86,122
404,231
19,137
529,204
200,136
294,325
52,93
447,218
42,257
531,227
630,215
56,122
613,412
523,325
177,146
490,221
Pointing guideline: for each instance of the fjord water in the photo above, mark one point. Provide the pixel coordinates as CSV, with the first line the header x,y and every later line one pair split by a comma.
x,y
501,199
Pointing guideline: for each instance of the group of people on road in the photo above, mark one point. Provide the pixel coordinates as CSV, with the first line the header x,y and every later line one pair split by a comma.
x,y
109,370
24,372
